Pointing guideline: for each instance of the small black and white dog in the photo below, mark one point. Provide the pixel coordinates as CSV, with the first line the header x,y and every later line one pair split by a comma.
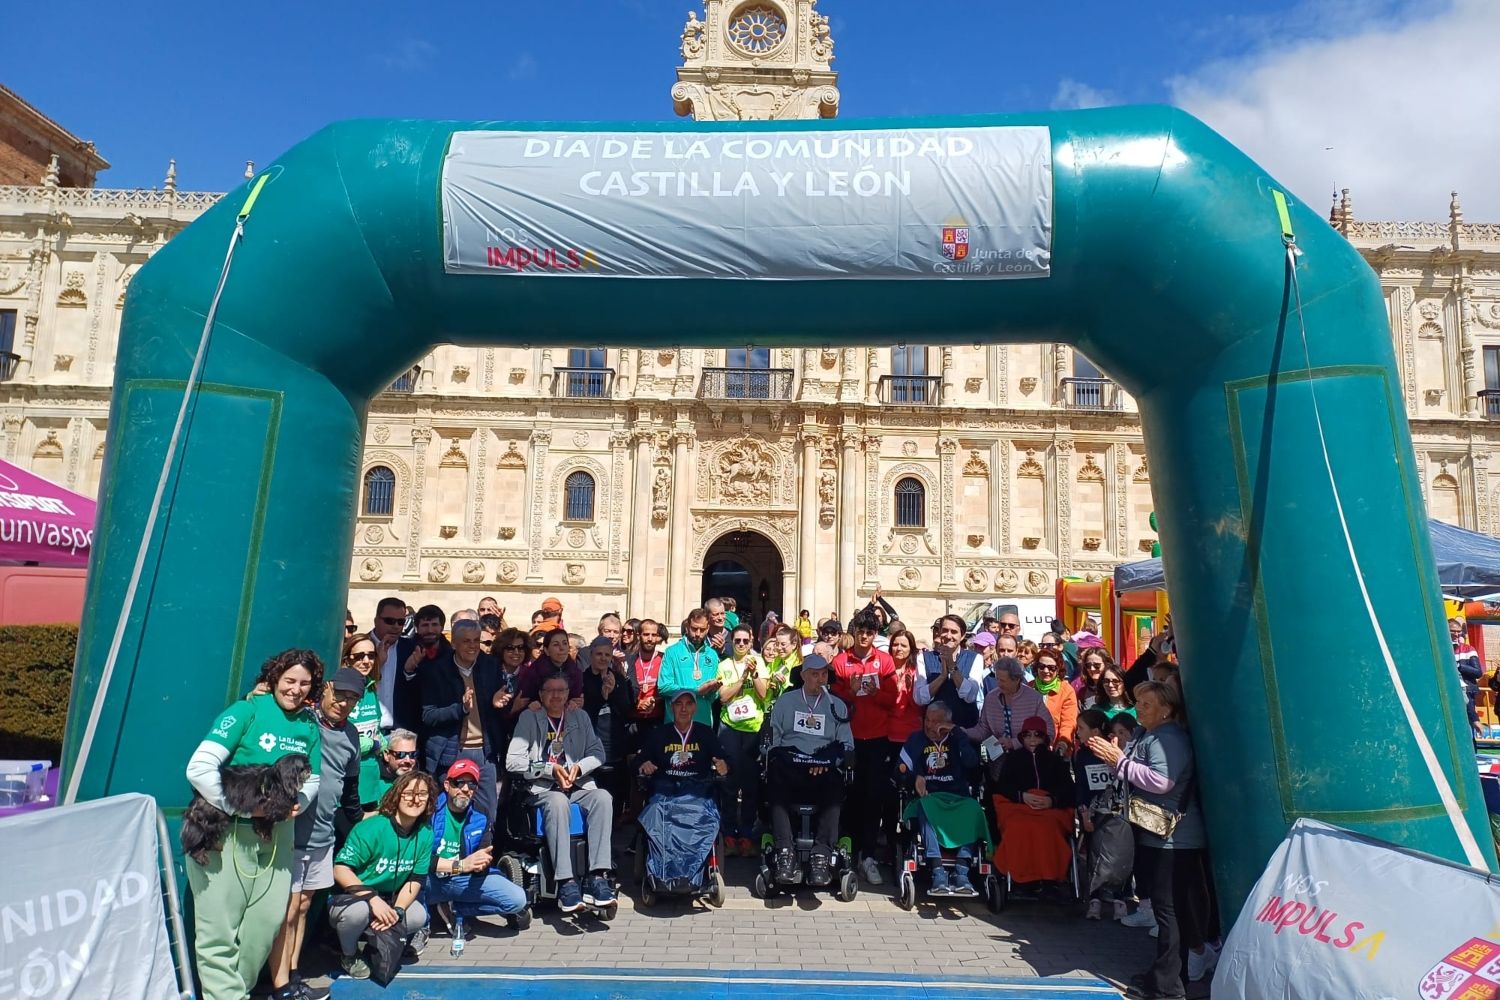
x,y
270,789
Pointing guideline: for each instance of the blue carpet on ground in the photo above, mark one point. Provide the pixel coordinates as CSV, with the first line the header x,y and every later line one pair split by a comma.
x,y
456,983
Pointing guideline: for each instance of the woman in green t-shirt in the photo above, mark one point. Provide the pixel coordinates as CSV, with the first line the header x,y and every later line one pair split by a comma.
x,y
240,896
380,869
359,653
748,688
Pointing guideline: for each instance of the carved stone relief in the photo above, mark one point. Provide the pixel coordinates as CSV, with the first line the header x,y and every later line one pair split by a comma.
x,y
910,578
1037,582
473,571
661,496
508,572
439,570
573,574
1006,581
370,570
975,581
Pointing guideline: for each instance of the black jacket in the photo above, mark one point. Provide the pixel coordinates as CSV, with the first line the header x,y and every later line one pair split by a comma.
x,y
443,709
611,725
406,702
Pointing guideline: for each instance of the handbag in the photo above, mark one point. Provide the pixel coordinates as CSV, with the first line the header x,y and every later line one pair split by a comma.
x,y
383,952
1156,819
1151,817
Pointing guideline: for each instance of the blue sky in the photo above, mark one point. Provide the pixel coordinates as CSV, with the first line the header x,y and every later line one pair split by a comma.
x,y
213,85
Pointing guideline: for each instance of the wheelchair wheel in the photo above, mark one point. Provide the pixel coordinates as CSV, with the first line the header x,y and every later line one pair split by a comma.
x,y
638,865
848,887
995,892
717,891
906,891
645,894
514,871
761,888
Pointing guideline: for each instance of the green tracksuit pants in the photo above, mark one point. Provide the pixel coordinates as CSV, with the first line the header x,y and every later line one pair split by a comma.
x,y
239,902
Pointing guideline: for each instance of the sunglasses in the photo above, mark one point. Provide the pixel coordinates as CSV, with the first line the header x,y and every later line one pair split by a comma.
x,y
393,621
349,629
465,784
742,642
1047,645
1111,680
515,647
404,754
1009,626
627,631
356,657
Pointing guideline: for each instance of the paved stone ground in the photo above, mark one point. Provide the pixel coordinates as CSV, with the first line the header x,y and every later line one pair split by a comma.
x,y
815,932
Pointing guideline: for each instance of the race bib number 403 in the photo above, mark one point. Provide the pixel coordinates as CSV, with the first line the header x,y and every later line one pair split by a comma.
x,y
811,723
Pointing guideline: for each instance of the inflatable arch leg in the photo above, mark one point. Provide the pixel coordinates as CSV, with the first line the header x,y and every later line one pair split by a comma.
x,y
1168,270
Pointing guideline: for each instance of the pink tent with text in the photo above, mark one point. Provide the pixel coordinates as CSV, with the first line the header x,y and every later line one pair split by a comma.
x,y
41,522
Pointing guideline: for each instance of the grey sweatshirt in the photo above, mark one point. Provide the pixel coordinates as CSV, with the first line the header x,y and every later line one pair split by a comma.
x,y
824,720
528,746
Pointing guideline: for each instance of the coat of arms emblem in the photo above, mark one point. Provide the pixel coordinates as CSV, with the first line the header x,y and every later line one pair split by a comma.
x,y
956,242
1469,972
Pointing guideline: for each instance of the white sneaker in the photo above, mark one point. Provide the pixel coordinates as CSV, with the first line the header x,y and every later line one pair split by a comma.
x,y
1121,910
1144,916
1095,907
1200,964
870,871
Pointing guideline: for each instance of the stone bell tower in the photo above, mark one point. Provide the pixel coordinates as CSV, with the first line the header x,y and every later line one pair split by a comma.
x,y
756,60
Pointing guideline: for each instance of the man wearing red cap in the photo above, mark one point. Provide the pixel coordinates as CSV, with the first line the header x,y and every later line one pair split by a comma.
x,y
460,872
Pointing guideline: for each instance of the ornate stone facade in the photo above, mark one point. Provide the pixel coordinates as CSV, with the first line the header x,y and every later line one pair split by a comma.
x,y
614,479
756,59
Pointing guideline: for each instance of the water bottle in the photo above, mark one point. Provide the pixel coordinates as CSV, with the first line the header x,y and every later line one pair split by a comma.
x,y
458,936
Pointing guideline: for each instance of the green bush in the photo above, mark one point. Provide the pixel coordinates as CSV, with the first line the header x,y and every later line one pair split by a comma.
x,y
36,674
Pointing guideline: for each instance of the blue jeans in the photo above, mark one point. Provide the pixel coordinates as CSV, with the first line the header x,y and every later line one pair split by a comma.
x,y
934,848
476,896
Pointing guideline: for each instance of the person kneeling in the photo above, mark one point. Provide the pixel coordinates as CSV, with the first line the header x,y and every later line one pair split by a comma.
x,y
1034,809
555,751
461,873
681,759
380,868
943,764
810,738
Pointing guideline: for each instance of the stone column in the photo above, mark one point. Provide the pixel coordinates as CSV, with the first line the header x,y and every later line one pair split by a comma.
x,y
1468,353
421,437
636,600
619,441
681,550
848,522
541,441
1064,543
807,546
947,535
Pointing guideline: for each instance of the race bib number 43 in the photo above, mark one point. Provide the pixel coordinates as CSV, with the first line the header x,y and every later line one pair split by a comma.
x,y
809,722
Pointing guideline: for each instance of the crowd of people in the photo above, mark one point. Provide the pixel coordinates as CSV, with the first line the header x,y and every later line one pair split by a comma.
x,y
429,729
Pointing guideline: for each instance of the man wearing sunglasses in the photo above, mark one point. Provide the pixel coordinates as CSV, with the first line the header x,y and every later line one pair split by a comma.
x,y
399,757
461,873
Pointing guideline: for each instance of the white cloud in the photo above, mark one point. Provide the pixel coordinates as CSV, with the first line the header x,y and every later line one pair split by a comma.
x,y
409,55
1410,109
1073,94
523,67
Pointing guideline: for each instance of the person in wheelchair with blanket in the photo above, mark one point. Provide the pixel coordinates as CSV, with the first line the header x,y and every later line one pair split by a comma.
x,y
811,746
941,764
680,763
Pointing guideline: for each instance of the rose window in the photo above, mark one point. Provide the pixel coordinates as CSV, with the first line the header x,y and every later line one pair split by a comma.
x,y
757,30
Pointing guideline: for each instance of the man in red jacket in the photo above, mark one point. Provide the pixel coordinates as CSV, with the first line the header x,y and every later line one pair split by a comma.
x,y
865,678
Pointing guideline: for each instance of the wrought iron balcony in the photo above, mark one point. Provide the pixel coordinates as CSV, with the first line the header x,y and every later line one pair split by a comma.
x,y
911,390
407,383
1092,394
1489,403
583,383
746,383
8,363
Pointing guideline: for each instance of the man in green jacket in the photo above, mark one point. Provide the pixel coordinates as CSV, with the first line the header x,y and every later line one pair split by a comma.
x,y
691,664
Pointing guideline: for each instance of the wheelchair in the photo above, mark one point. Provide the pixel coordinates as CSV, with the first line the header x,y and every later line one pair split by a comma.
x,y
844,881
1070,892
526,861
914,878
709,886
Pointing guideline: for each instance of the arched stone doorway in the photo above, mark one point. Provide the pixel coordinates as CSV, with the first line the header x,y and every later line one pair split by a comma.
x,y
747,566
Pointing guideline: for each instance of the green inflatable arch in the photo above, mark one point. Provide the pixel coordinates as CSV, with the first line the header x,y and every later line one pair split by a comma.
x,y
1167,268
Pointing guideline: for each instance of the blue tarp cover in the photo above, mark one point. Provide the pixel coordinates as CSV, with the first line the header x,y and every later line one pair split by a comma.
x,y
1468,564
681,824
